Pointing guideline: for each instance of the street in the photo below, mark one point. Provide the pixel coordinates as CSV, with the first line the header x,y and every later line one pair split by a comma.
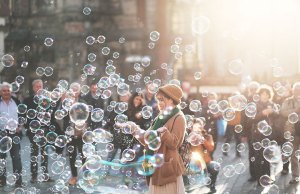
x,y
235,184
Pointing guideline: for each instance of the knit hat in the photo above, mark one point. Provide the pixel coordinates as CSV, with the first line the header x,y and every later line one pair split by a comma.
x,y
173,91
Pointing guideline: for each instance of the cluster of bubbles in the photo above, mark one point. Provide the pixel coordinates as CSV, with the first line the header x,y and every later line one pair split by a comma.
x,y
47,71
152,139
126,175
98,172
233,169
264,128
154,37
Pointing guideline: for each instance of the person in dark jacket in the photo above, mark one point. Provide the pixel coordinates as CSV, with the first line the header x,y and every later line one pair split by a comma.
x,y
39,103
95,100
265,115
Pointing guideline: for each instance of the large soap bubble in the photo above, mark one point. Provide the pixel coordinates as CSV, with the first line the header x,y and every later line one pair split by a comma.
x,y
5,144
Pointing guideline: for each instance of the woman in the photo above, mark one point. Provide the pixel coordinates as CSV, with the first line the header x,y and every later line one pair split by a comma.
x,y
204,151
170,124
265,115
134,113
76,144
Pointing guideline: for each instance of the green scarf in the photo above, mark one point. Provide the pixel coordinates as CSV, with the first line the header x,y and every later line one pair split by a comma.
x,y
160,122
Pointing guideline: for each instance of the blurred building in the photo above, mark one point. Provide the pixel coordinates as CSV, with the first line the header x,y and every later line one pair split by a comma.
x,y
194,37
30,22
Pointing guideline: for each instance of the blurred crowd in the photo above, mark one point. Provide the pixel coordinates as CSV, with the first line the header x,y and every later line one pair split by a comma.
x,y
266,117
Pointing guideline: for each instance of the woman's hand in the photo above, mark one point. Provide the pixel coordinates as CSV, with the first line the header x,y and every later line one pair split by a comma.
x,y
161,130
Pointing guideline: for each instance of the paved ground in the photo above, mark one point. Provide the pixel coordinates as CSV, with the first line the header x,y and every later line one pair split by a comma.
x,y
237,184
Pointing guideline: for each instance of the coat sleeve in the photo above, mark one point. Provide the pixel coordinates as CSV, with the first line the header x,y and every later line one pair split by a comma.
x,y
174,137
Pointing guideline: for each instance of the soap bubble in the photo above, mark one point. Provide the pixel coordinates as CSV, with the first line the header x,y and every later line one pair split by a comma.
x,y
158,160
22,108
241,147
225,147
26,48
92,57
61,141
229,171
121,40
88,137
146,166
155,144
44,103
229,114
24,64
19,79
152,88
236,66
123,89
128,154
79,113
102,136
147,112
145,61
89,69
85,89
57,167
154,36
239,168
150,135
238,128
250,110
238,102
40,71
31,113
7,60
195,138
48,41
110,69
97,115
265,180
293,118
86,11
200,25
51,137
105,50
195,105
101,39
90,40
5,144
272,154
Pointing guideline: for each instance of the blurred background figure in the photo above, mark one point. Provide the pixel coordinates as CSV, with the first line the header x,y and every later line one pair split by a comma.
x,y
134,113
151,101
230,131
263,122
290,110
95,99
8,109
32,102
202,152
